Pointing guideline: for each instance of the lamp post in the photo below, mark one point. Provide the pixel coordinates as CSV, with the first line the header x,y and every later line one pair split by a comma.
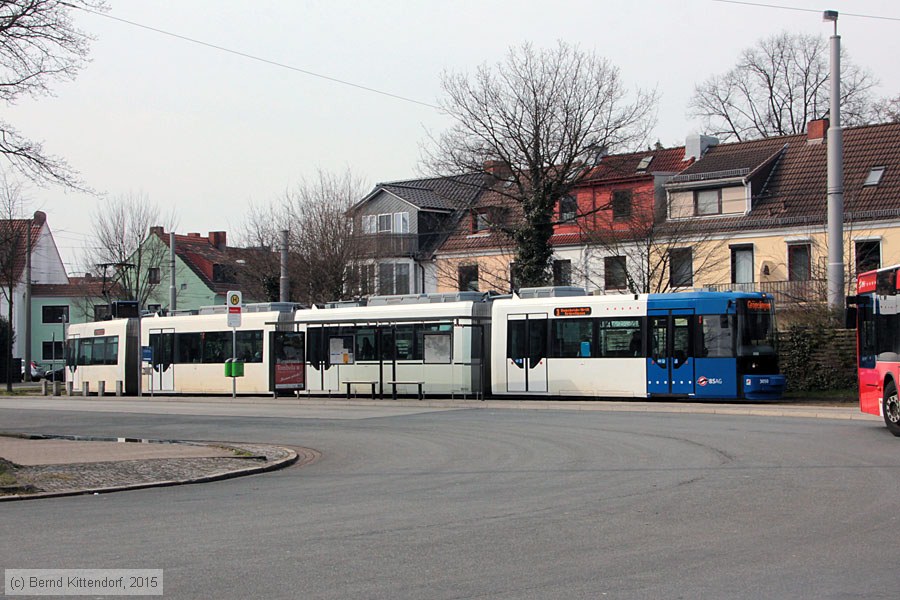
x,y
835,159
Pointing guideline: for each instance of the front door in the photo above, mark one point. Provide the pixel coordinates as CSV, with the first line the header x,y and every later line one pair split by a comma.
x,y
526,352
670,366
162,375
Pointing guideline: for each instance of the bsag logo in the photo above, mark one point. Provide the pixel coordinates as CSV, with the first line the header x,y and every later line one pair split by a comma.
x,y
703,381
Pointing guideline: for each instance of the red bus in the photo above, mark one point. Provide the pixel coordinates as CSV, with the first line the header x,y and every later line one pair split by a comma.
x,y
877,318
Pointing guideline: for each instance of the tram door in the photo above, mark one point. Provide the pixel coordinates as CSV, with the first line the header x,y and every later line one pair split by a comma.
x,y
526,352
670,366
162,344
72,361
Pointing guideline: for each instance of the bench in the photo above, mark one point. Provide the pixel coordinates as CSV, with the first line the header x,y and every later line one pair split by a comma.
x,y
361,382
396,383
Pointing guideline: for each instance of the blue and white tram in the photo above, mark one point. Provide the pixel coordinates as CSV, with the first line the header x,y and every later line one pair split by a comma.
x,y
692,344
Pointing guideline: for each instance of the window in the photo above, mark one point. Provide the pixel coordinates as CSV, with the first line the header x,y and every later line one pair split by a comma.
x,y
868,255
401,222
568,209
386,278
153,275
571,338
681,267
55,314
742,264
51,350
367,279
707,202
513,276
562,272
384,223
480,221
101,312
715,336
874,177
468,278
799,262
614,273
621,205
620,338
401,283
369,223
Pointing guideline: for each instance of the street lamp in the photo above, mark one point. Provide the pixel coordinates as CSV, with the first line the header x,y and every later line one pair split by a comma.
x,y
835,159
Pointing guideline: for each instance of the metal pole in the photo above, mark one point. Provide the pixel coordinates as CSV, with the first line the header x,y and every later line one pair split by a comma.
x,y
835,178
283,287
233,359
27,300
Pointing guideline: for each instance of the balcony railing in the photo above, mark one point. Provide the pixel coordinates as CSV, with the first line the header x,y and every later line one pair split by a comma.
x,y
784,292
390,244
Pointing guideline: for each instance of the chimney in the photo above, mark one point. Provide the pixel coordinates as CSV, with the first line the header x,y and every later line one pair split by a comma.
x,y
497,169
816,131
157,230
695,146
193,235
40,217
217,239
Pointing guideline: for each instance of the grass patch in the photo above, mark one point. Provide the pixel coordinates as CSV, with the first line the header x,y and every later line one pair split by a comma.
x,y
7,473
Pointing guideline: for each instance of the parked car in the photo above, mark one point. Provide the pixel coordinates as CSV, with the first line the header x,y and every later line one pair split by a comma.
x,y
36,373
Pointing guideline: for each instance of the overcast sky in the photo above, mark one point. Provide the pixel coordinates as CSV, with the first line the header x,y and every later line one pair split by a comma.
x,y
208,132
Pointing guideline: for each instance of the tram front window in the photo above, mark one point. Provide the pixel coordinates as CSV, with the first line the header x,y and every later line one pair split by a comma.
x,y
756,336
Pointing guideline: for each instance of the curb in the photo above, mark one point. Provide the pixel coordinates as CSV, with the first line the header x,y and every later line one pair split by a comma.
x,y
301,456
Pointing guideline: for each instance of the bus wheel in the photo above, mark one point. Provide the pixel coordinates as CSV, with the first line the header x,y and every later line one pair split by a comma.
x,y
891,408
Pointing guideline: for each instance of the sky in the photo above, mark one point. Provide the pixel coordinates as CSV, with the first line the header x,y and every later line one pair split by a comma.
x,y
204,133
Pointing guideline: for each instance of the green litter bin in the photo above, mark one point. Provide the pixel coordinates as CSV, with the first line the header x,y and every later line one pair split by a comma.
x,y
234,368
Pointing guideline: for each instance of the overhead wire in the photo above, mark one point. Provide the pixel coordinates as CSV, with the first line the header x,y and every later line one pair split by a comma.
x,y
254,57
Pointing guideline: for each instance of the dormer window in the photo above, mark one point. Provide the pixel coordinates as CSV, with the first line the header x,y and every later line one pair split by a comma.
x,y
568,209
645,162
874,177
707,202
480,221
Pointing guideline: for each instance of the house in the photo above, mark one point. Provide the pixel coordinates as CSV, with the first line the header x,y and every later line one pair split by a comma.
x,y
761,206
599,231
55,298
206,268
401,224
608,228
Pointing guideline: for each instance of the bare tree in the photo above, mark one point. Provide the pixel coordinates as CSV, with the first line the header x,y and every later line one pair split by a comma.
x,y
538,118
322,246
777,87
13,232
39,44
122,250
887,110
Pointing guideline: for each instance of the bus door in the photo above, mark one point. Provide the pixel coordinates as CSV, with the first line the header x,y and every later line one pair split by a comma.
x,y
670,366
526,352
162,344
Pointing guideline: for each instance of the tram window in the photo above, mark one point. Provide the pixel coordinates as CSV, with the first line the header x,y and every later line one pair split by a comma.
x,y
620,338
250,346
216,346
681,338
111,356
365,344
571,338
187,348
715,336
404,340
85,351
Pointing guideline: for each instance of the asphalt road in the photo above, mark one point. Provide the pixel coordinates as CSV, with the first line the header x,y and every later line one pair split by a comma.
x,y
493,504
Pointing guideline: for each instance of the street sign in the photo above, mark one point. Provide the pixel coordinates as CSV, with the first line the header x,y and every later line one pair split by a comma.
x,y
233,300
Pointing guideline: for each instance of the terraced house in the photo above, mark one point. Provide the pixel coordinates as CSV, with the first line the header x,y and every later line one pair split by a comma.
x,y
761,206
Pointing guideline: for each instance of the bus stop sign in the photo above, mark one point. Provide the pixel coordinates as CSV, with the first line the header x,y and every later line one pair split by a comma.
x,y
233,301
